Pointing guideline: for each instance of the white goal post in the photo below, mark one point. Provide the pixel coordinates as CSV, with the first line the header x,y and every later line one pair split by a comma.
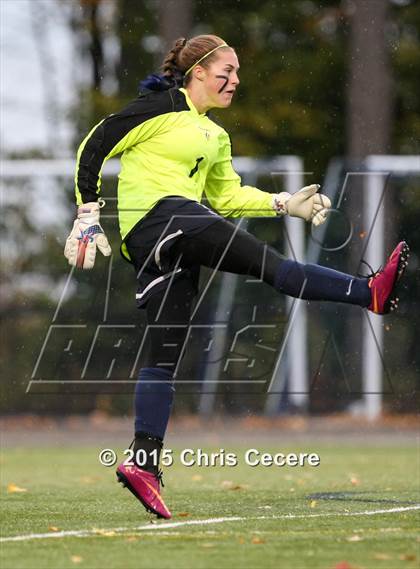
x,y
378,167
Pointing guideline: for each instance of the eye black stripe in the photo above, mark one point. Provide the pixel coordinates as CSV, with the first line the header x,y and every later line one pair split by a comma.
x,y
223,87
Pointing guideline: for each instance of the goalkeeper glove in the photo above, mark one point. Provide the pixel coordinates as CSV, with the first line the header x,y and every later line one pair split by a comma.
x,y
305,203
86,235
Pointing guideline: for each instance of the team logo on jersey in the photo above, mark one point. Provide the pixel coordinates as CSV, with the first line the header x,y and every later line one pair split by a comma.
x,y
206,132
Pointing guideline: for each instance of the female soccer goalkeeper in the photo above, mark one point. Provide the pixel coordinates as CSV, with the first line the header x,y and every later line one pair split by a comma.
x,y
172,154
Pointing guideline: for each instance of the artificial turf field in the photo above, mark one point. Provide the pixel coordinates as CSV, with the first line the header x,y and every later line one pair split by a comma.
x,y
357,509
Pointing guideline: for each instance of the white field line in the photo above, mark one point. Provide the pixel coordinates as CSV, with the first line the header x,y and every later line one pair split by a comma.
x,y
209,521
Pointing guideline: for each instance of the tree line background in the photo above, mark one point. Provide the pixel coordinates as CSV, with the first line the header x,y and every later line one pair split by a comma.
x,y
323,79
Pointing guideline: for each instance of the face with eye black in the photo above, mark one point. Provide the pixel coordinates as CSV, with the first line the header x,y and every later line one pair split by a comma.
x,y
217,83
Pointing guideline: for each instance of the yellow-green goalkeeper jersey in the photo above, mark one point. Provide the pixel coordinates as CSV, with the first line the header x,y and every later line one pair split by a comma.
x,y
167,149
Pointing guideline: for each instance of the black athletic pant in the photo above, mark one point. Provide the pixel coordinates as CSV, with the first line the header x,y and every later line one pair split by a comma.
x,y
222,246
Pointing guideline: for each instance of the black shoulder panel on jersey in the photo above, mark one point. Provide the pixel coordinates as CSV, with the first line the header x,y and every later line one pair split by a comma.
x,y
114,128
217,121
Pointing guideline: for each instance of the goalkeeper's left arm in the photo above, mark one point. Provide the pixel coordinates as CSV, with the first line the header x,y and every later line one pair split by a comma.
x,y
228,197
306,204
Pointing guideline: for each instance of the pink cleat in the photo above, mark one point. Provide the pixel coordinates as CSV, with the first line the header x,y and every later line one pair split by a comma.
x,y
383,283
146,487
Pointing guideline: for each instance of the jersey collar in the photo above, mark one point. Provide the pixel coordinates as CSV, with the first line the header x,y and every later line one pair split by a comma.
x,y
190,103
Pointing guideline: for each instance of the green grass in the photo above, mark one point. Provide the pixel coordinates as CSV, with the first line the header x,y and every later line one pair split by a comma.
x,y
68,489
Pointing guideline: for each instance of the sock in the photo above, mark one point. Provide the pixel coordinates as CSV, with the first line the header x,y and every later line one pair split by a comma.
x,y
322,283
154,394
152,447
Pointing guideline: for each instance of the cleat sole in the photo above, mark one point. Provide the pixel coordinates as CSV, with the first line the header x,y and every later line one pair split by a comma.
x,y
392,303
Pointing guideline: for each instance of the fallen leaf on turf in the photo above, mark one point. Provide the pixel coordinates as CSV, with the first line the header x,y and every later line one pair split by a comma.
x,y
104,532
196,477
354,538
12,488
53,528
382,556
408,557
76,558
89,479
183,514
313,504
229,485
257,540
